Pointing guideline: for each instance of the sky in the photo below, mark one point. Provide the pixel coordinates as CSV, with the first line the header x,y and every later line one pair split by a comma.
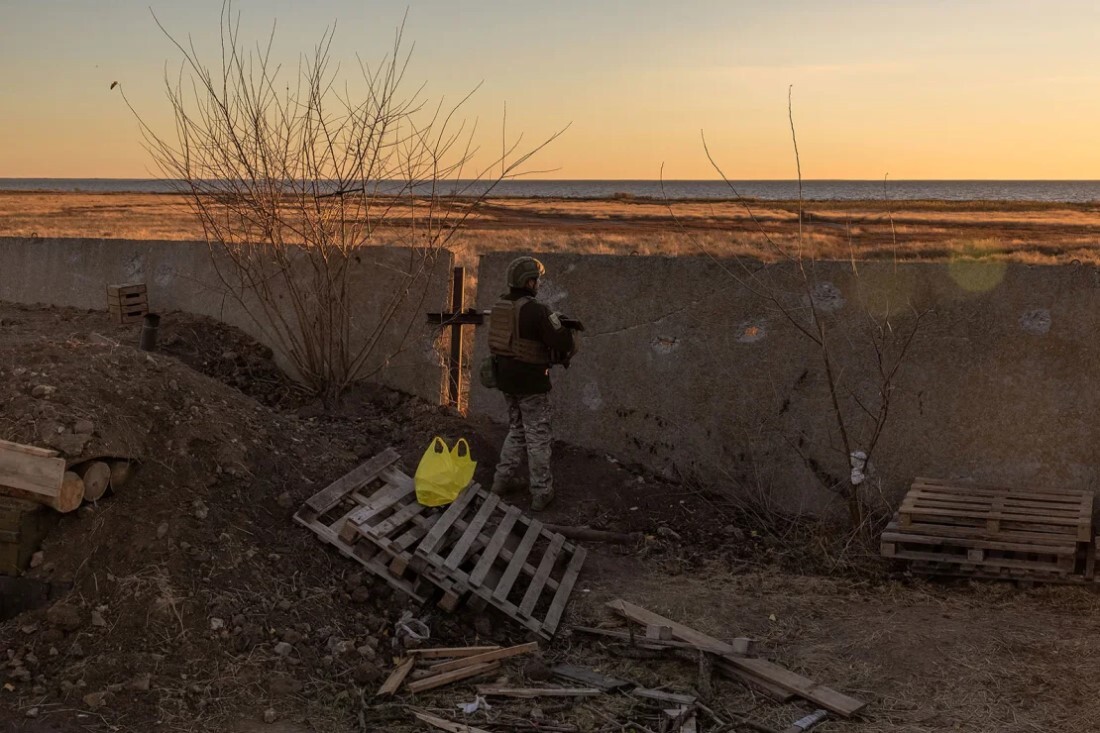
x,y
912,89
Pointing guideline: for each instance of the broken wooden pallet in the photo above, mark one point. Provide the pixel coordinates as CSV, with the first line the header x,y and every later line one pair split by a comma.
x,y
505,558
359,493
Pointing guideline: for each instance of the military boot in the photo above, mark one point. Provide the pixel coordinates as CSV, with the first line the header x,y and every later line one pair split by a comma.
x,y
541,501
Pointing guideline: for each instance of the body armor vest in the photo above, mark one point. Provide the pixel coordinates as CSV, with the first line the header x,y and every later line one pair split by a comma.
x,y
504,339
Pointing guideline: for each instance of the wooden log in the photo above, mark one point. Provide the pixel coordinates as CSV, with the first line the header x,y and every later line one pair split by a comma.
x,y
69,494
596,535
121,472
97,477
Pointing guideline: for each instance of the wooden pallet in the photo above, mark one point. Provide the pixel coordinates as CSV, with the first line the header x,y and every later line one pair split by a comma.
x,y
996,510
1048,557
357,494
506,559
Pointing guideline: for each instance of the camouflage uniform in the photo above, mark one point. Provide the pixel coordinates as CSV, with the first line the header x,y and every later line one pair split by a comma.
x,y
528,435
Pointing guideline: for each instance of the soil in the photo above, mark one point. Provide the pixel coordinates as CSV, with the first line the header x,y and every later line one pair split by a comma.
x,y
186,581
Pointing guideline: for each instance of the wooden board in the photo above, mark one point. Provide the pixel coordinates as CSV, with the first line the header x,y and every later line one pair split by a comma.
x,y
457,675
505,559
397,678
489,656
31,469
823,696
590,678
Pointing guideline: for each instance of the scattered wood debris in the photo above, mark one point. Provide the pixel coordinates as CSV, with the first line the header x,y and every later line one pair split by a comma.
x,y
532,692
590,677
477,548
444,666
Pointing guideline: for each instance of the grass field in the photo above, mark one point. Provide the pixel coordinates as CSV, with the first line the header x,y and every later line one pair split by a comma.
x,y
1035,233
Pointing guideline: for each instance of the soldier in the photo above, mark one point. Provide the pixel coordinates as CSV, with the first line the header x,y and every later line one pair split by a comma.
x,y
525,338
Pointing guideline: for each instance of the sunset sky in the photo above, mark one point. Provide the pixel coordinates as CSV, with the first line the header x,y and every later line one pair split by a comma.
x,y
916,89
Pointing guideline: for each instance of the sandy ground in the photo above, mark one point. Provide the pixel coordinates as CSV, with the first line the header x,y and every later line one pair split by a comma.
x,y
1037,233
229,451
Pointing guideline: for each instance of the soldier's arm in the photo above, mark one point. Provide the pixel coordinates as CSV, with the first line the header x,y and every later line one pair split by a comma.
x,y
552,333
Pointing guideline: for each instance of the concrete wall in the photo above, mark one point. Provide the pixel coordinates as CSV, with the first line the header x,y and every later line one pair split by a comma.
x,y
689,366
183,276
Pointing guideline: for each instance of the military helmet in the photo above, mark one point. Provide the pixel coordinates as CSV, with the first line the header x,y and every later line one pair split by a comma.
x,y
523,269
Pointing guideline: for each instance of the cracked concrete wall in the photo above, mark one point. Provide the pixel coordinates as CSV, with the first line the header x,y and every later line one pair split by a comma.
x,y
182,276
691,367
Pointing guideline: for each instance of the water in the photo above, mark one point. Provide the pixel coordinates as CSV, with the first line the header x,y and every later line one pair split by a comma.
x,y
816,190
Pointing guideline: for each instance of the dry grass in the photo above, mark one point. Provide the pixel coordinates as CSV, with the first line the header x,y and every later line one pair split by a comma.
x,y
1033,233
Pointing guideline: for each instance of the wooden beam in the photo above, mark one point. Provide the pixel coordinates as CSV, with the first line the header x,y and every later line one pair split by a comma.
x,y
490,656
430,683
451,651
393,682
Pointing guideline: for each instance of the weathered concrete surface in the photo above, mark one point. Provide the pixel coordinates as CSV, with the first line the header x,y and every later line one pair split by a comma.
x,y
689,366
184,276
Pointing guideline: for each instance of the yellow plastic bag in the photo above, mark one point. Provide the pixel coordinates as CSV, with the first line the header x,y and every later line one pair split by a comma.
x,y
443,472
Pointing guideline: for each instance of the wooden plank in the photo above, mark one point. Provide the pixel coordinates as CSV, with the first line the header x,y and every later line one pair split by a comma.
x,y
473,529
397,677
964,486
429,544
519,557
489,656
532,692
492,550
380,502
538,582
328,497
663,696
825,697
451,651
25,467
565,589
589,677
430,683
399,519
447,725
30,450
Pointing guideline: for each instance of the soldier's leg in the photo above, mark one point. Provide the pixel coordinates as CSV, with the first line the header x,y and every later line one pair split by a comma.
x,y
535,410
513,451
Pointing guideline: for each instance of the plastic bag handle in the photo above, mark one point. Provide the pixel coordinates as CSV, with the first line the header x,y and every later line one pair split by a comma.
x,y
439,445
461,442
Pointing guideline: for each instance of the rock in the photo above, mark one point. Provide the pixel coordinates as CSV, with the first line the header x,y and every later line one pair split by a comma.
x,y
483,626
21,674
98,620
367,651
72,445
41,391
536,713
76,650
284,605
354,580
29,629
142,682
537,670
37,559
285,500
360,595
669,534
338,646
283,684
95,700
734,533
290,636
65,617
270,716
32,713
283,649
367,673
53,651
84,427
216,624
199,510
162,530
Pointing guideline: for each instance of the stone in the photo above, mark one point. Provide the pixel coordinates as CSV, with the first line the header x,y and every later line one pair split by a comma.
x,y
199,510
367,651
95,700
669,534
216,624
65,617
290,636
41,391
483,626
283,649
367,673
283,684
76,650
360,595
84,427
98,620
270,716
162,530
32,713
37,559
142,682
285,500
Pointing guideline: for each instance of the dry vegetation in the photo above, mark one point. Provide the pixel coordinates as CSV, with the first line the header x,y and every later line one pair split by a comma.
x,y
1033,233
